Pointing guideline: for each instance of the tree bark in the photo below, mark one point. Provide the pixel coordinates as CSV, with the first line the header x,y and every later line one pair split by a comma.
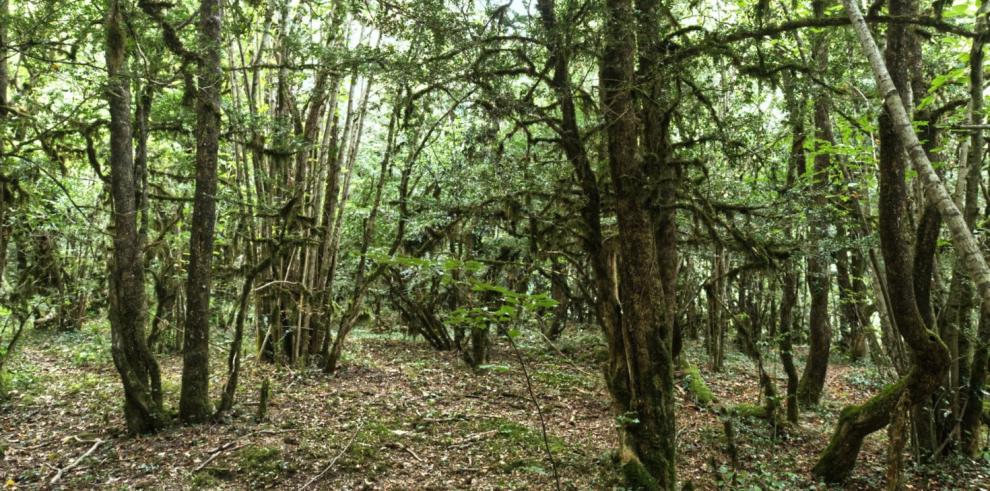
x,y
812,382
971,400
194,402
645,392
138,369
930,356
6,195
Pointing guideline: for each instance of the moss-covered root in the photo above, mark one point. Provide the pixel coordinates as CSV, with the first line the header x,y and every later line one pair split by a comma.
x,y
696,385
855,423
635,474
744,410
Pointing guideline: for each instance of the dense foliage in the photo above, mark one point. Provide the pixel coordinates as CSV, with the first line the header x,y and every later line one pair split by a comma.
x,y
254,182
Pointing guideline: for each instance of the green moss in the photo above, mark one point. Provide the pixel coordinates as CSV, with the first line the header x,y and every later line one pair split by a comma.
x,y
86,383
205,480
696,385
885,396
637,477
514,436
561,379
835,463
749,411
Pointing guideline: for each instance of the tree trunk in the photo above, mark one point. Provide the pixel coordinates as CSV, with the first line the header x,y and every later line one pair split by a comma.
x,y
812,382
930,355
786,342
935,192
643,392
971,399
194,402
137,367
6,194
559,293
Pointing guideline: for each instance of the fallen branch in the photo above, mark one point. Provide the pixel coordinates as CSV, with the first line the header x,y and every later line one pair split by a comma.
x,y
216,453
406,449
230,446
62,471
473,438
334,461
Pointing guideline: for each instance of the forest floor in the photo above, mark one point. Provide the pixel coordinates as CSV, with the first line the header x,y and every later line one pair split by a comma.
x,y
402,416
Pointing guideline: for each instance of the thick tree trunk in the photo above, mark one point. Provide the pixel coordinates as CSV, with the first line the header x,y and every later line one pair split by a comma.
x,y
128,309
194,401
930,357
645,391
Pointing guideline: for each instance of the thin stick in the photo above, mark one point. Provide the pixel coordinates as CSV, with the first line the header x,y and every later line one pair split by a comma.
x,y
539,410
334,461
76,462
216,453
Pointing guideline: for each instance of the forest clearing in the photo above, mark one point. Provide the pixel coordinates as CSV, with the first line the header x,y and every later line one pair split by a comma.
x,y
656,245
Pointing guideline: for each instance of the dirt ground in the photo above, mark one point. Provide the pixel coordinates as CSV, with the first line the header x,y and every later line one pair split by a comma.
x,y
402,416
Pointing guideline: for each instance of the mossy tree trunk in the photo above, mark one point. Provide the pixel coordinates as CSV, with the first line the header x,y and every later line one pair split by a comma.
x,y
929,355
128,308
812,382
6,196
641,364
194,400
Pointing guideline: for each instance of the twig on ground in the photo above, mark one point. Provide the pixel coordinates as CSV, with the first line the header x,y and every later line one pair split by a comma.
x,y
230,445
216,453
408,450
539,411
62,471
334,461
473,438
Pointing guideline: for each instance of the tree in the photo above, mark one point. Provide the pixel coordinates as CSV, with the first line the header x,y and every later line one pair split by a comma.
x,y
138,369
930,355
813,379
194,404
640,374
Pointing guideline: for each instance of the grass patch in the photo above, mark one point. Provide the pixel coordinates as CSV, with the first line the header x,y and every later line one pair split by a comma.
x,y
365,452
560,379
262,465
87,347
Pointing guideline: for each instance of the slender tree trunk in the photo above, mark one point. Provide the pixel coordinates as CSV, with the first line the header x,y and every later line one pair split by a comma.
x,y
6,196
362,280
813,379
559,293
789,296
128,308
194,401
971,401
